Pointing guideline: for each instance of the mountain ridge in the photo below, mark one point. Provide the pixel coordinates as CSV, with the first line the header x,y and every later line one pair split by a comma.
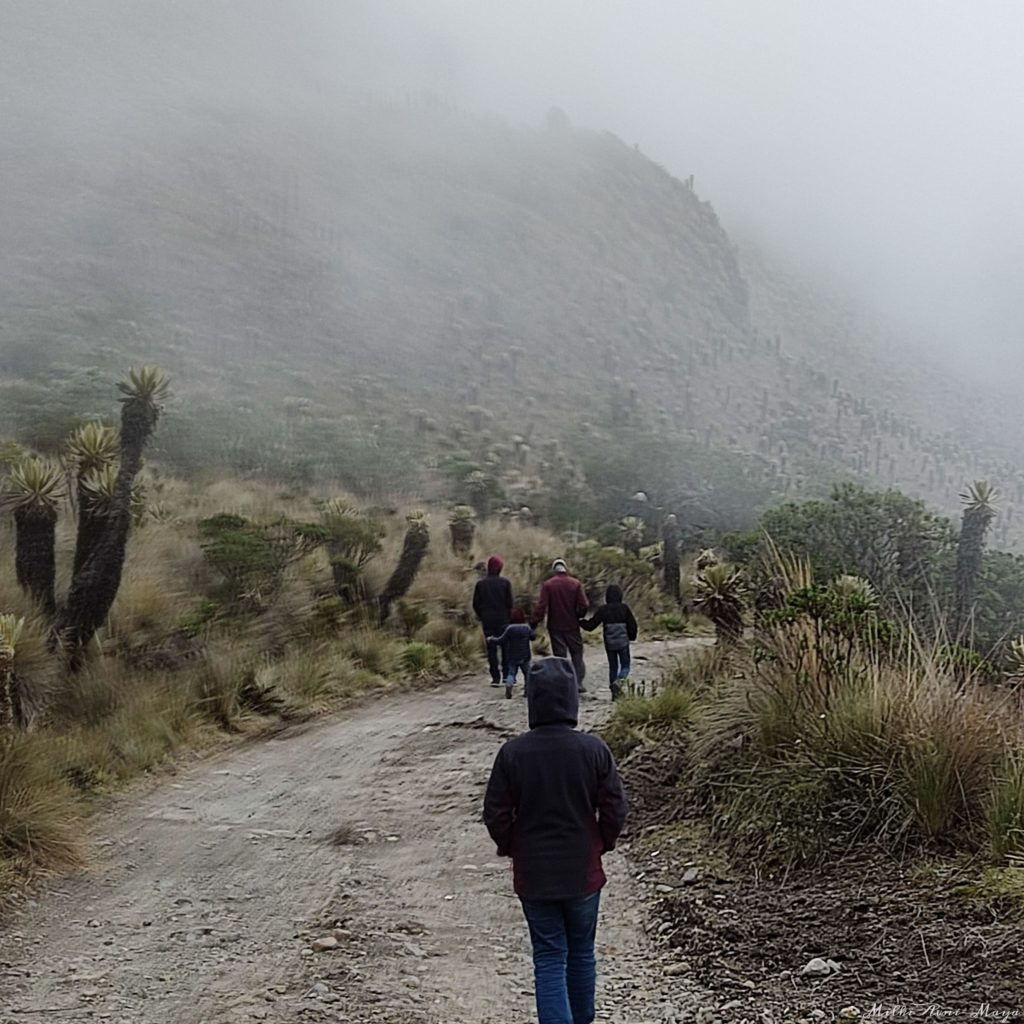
x,y
381,286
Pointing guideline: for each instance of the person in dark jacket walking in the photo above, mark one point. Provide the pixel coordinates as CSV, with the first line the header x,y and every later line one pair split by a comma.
x,y
516,638
619,631
564,602
492,605
555,804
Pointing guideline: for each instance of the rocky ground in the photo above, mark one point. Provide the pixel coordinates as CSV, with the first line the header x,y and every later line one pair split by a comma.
x,y
339,872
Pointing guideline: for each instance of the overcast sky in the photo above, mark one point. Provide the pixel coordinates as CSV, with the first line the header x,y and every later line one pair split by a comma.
x,y
882,140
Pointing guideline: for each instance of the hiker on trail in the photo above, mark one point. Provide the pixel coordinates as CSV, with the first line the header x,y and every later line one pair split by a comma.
x,y
492,605
555,805
564,602
619,630
516,638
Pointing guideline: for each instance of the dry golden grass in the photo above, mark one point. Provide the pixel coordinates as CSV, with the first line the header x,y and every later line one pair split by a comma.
x,y
212,670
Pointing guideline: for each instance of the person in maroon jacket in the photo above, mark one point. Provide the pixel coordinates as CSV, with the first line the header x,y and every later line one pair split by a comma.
x,y
555,804
564,602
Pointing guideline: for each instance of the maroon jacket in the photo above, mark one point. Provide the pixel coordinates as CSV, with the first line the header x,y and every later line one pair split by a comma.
x,y
554,802
564,601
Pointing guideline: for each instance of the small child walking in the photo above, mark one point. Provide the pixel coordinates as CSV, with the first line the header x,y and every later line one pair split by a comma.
x,y
619,631
516,638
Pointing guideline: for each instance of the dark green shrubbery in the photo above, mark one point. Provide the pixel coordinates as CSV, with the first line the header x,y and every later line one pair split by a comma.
x,y
253,556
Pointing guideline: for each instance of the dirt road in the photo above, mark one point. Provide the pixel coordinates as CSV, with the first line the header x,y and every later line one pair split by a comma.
x,y
208,892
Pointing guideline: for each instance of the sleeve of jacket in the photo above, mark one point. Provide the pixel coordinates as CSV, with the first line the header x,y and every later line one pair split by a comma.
x,y
476,600
594,621
500,806
612,806
502,637
509,598
541,608
631,623
582,604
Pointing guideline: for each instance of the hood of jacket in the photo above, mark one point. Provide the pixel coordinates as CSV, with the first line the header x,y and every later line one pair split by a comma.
x,y
494,566
552,694
613,595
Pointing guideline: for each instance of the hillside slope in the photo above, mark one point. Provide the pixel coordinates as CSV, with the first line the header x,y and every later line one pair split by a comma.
x,y
355,288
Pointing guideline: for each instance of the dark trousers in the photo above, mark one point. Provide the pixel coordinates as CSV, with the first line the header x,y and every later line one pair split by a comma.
x,y
618,664
569,644
564,965
497,655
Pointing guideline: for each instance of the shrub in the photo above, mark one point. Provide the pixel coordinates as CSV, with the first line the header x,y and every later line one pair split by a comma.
x,y
638,719
412,618
670,622
38,818
373,651
420,659
1005,810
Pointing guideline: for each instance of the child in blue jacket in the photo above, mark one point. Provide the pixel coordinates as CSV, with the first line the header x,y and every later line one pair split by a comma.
x,y
518,653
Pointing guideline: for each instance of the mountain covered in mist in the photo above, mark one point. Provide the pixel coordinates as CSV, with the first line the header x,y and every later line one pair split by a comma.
x,y
393,295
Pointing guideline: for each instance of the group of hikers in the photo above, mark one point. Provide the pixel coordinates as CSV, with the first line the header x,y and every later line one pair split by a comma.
x,y
563,604
555,803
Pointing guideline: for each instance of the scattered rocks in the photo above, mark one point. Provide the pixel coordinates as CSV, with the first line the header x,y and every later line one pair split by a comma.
x,y
675,970
325,944
819,967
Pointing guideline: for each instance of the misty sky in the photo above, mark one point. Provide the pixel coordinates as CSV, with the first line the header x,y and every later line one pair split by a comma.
x,y
881,140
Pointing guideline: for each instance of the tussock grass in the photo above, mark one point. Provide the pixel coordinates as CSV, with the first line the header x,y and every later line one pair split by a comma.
x,y
38,816
813,740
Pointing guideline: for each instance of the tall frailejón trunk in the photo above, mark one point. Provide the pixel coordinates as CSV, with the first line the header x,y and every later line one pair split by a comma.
x,y
8,700
670,557
414,549
979,512
94,587
35,561
91,525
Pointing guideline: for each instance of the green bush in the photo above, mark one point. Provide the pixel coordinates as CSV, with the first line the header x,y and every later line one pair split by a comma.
x,y
1005,812
420,659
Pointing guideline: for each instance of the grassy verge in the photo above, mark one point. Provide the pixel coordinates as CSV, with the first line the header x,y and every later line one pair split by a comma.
x,y
810,743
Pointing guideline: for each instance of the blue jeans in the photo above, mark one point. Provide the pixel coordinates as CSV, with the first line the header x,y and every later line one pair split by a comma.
x,y
513,670
618,664
564,966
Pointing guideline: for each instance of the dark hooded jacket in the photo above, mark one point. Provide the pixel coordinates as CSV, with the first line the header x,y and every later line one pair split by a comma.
x,y
492,598
554,802
616,617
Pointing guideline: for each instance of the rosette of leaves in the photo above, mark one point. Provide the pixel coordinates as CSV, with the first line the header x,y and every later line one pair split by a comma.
x,y
32,493
353,538
462,528
1015,660
92,450
719,593
631,534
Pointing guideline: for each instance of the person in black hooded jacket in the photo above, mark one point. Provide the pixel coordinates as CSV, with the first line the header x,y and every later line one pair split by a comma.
x,y
492,605
555,804
619,631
